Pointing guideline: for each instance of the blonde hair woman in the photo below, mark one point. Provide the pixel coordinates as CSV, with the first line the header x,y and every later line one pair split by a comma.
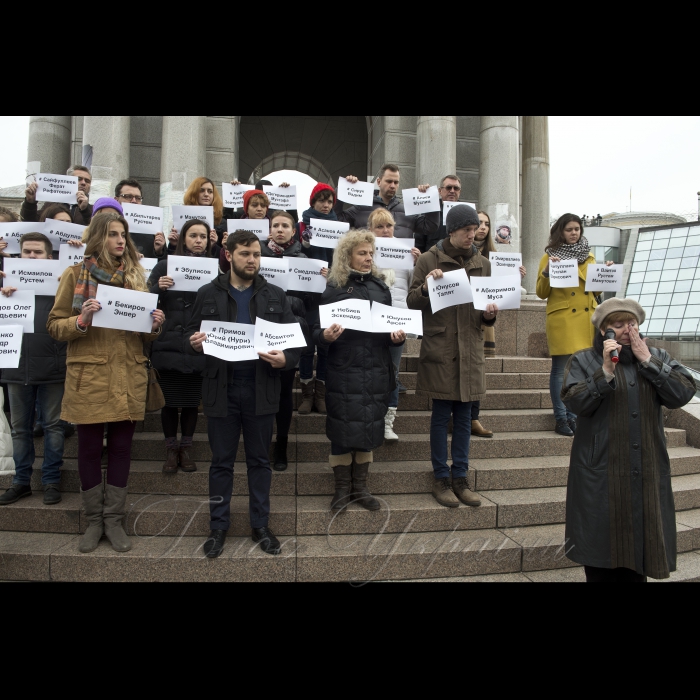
x,y
106,374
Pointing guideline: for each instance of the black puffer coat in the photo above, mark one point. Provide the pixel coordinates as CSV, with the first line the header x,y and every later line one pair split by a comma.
x,y
170,350
360,372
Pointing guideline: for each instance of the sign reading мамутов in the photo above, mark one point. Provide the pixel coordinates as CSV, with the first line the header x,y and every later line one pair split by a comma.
x,y
282,198
505,264
59,232
191,274
12,232
451,289
563,274
62,189
277,336
387,319
10,346
355,314
305,275
40,276
142,219
124,309
233,194
359,194
505,292
18,310
181,215
260,227
394,253
601,278
326,234
417,202
231,342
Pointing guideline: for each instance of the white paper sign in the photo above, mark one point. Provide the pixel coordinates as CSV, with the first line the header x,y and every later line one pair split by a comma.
x,y
360,194
181,215
305,275
10,346
40,276
232,342
124,309
564,274
415,202
261,227
601,278
354,314
502,291
69,255
275,271
284,198
191,274
59,232
62,189
387,319
394,253
278,336
233,194
142,219
451,290
326,234
505,264
446,206
148,264
18,310
11,234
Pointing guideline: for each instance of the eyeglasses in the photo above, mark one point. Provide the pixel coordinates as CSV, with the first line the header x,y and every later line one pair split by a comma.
x,y
131,198
452,188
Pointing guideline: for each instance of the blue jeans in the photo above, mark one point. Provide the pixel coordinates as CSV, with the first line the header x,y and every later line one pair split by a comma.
x,y
461,437
22,404
396,355
556,380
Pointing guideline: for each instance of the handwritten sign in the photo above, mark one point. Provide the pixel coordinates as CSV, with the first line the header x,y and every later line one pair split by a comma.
x,y
360,194
387,319
59,232
124,309
601,278
10,346
564,274
261,227
18,310
503,291
142,219
275,271
181,215
233,194
62,189
326,234
278,336
394,253
231,342
416,202
12,233
284,198
451,290
191,274
69,255
354,314
40,276
148,264
305,275
505,264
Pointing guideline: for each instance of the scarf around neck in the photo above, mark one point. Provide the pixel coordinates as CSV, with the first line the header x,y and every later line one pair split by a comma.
x,y
89,277
458,254
280,248
578,251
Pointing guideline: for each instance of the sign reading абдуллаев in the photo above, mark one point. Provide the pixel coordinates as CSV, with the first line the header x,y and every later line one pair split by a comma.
x,y
10,346
59,232
18,310
61,189
387,319
394,253
142,219
275,271
12,233
563,274
191,274
451,289
505,264
277,336
417,202
601,278
305,275
181,215
231,342
326,234
360,194
503,291
69,255
124,309
39,276
282,198
233,195
355,314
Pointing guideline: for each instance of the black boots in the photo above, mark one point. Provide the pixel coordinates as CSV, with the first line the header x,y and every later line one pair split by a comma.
x,y
342,470
279,463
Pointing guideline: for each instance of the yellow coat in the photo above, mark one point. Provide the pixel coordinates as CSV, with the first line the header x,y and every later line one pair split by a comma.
x,y
569,312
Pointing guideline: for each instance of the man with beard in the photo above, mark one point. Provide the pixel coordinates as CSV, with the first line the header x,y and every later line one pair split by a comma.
x,y
241,395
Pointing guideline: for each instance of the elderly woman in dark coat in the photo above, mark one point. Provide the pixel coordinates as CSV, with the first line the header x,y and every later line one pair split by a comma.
x,y
360,375
620,513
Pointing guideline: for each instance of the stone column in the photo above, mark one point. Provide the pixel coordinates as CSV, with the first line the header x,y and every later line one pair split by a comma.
x,y
535,224
110,138
49,145
184,158
499,175
436,149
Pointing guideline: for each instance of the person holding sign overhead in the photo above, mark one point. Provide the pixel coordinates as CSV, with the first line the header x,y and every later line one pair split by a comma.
x,y
451,369
106,379
569,310
81,213
179,372
6,217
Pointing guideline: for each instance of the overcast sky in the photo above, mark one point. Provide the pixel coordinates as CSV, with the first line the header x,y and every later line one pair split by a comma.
x,y
594,162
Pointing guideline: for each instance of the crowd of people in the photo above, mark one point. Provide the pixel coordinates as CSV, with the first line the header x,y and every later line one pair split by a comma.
x,y
74,373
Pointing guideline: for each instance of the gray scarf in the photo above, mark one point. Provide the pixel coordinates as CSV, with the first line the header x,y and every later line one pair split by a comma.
x,y
579,251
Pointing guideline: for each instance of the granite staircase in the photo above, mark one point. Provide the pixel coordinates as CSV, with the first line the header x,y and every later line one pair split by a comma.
x,y
516,535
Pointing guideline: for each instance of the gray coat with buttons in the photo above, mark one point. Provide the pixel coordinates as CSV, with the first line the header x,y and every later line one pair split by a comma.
x,y
619,508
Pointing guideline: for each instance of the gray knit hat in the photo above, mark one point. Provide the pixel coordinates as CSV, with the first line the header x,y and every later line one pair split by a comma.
x,y
614,305
461,216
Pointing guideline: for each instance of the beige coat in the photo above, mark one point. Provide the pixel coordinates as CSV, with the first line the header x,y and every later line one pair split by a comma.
x,y
452,352
106,373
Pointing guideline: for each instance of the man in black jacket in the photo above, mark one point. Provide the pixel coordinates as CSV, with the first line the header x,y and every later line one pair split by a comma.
x,y
130,192
241,395
39,379
81,213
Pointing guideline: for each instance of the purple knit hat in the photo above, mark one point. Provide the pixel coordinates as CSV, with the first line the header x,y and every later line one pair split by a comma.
x,y
107,203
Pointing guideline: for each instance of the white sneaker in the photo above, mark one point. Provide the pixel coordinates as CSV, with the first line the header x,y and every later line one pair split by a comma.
x,y
389,435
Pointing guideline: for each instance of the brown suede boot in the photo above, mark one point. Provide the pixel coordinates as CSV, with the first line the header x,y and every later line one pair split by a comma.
x,y
307,396
342,471
320,397
443,493
171,463
360,472
479,431
187,464
461,489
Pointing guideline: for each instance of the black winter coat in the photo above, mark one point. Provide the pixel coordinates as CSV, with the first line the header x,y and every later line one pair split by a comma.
x,y
170,350
360,375
43,359
214,303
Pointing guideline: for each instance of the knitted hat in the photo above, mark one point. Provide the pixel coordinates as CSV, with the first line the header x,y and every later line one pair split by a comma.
x,y
321,187
461,216
107,203
614,305
249,195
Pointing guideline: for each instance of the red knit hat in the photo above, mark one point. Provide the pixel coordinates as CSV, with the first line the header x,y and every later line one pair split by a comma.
x,y
249,195
318,189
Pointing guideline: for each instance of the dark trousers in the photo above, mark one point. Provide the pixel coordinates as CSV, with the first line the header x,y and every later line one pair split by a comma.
x,y
476,410
119,439
224,436
621,575
284,417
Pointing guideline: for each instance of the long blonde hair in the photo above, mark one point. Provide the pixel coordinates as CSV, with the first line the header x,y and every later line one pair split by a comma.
x,y
340,272
95,239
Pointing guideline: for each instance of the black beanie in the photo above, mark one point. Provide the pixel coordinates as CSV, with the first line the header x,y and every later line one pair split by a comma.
x,y
461,216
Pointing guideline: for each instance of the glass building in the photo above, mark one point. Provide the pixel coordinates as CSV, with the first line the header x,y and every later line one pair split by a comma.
x,y
665,280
